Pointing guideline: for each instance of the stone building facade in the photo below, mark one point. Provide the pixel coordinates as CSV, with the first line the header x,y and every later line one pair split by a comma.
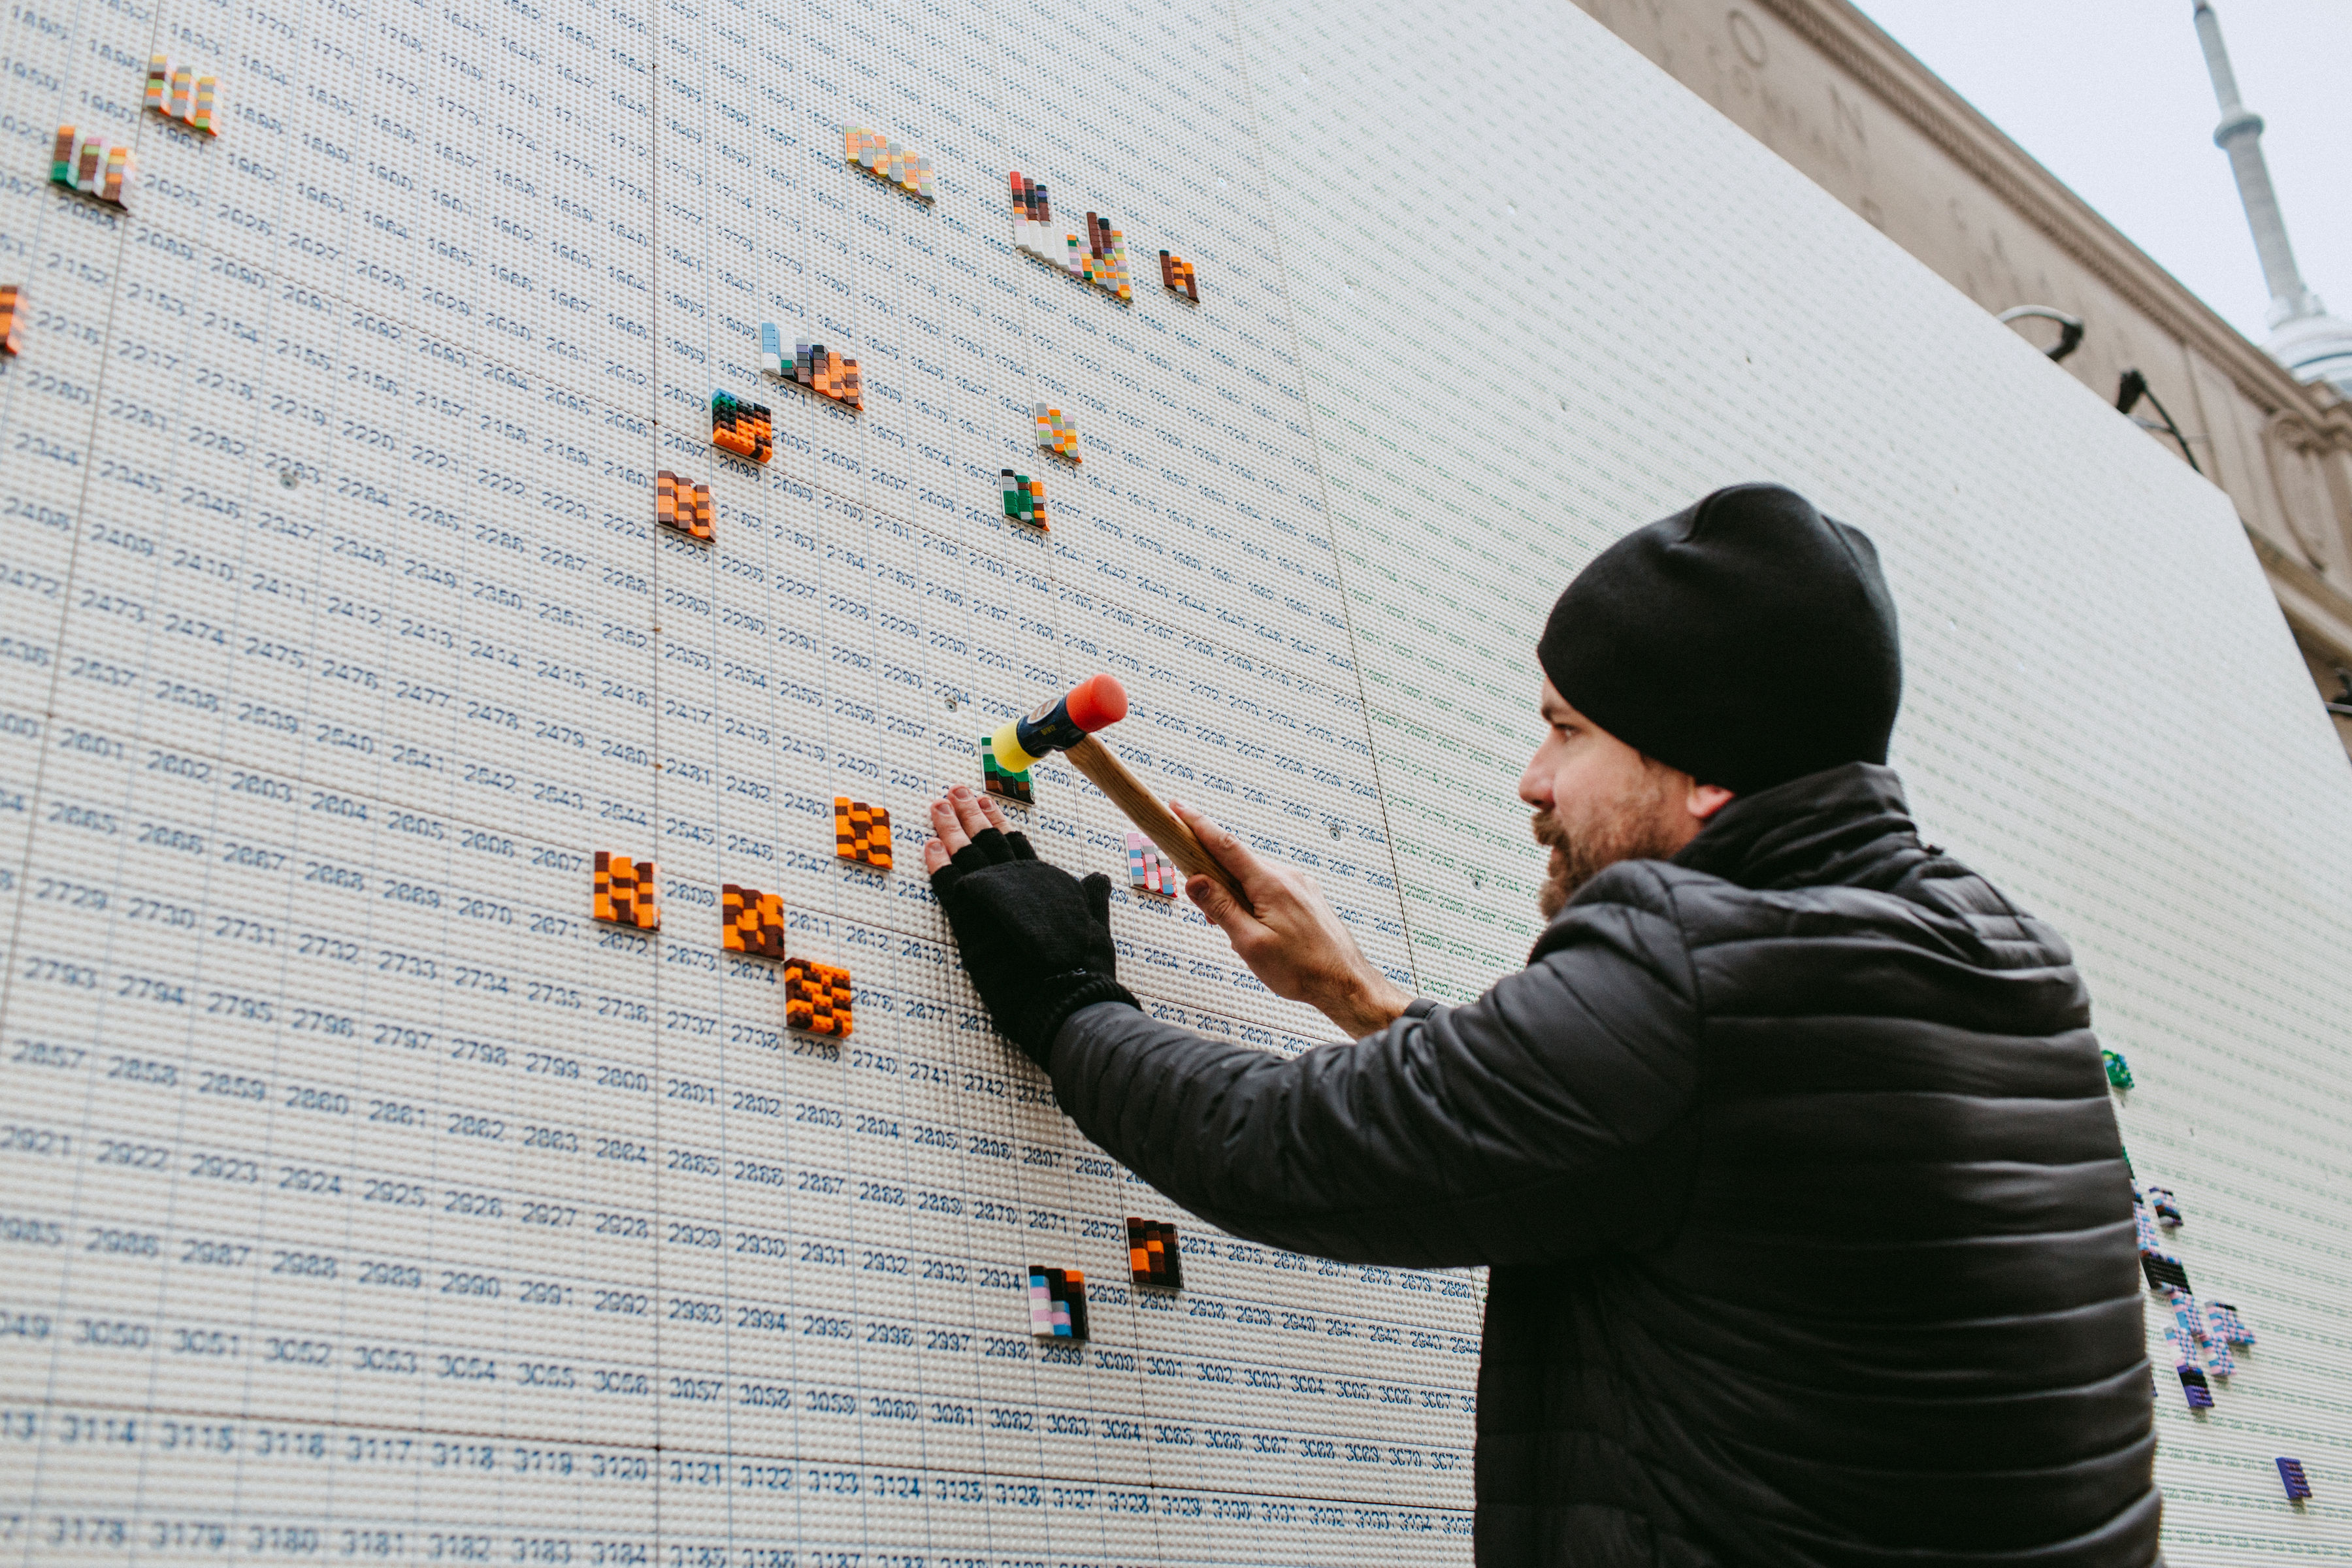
x,y
1821,85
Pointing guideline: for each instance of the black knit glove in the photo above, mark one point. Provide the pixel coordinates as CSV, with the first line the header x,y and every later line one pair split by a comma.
x,y
1035,940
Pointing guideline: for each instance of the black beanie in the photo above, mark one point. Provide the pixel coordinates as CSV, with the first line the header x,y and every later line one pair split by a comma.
x,y
1746,641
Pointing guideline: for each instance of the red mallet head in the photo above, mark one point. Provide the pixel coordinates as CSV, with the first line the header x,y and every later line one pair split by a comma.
x,y
1094,703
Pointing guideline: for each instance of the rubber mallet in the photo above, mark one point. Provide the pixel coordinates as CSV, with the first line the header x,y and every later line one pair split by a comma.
x,y
1068,725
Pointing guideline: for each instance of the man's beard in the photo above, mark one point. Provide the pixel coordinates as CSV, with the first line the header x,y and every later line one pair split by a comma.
x,y
1626,833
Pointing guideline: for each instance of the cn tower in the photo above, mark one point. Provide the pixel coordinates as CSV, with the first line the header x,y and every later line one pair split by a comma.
x,y
2311,343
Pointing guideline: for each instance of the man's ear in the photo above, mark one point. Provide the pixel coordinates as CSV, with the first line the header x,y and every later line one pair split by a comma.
x,y
1702,801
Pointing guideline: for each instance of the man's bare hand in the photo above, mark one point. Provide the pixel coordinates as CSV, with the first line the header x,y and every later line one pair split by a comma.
x,y
1291,940
956,817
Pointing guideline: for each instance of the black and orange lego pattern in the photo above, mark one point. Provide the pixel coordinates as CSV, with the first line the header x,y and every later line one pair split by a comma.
x,y
682,506
861,832
1151,1255
8,344
746,429
817,997
625,893
1176,276
755,921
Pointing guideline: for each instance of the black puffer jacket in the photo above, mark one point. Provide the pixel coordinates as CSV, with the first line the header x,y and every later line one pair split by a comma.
x,y
1810,1229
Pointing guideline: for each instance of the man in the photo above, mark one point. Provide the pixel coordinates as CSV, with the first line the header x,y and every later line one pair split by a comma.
x,y
1789,1151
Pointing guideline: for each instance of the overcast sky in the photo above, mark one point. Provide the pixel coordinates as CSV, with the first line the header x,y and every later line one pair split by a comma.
x,y
2111,96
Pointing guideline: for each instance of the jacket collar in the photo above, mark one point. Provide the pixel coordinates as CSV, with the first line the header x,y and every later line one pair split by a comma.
x,y
1844,825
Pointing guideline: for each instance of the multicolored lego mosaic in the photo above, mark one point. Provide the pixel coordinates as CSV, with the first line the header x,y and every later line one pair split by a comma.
x,y
626,891
1100,259
820,369
817,997
861,832
746,429
2203,1338
1024,499
877,154
8,296
1177,276
2291,1477
91,166
1151,1255
2193,1386
2163,1270
1058,1303
2118,1071
1150,871
1000,780
683,507
176,92
2189,1331
754,922
2223,1324
1057,432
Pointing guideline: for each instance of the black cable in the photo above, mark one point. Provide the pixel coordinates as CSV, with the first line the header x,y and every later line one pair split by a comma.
x,y
2131,389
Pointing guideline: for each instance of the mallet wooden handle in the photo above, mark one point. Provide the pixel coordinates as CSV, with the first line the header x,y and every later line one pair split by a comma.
x,y
1144,809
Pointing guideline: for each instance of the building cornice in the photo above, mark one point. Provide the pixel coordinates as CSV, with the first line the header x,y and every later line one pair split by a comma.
x,y
1856,45
2317,608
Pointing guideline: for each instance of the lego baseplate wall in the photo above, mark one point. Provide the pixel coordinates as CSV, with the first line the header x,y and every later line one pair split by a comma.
x,y
502,499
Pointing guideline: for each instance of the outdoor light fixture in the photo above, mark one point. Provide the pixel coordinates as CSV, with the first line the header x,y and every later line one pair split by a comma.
x,y
2070,333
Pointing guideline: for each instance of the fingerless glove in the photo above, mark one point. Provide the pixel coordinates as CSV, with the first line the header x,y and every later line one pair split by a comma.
x,y
1035,939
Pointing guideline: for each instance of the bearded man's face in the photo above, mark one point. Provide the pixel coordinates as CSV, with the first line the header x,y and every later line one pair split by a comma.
x,y
1597,801
1587,836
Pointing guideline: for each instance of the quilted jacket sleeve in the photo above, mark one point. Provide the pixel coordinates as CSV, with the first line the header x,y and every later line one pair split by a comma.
x,y
1547,1119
